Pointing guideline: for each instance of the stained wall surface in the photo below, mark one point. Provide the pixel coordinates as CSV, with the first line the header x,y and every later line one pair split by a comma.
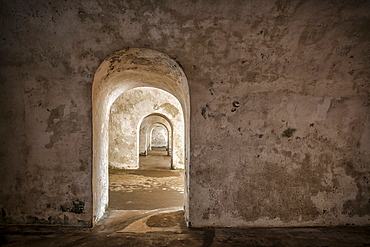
x,y
280,122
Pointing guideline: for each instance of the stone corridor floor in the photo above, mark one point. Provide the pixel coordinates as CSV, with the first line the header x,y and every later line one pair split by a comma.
x,y
145,189
154,185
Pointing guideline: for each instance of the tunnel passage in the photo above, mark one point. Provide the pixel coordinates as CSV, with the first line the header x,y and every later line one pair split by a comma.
x,y
159,137
144,114
147,127
127,116
114,78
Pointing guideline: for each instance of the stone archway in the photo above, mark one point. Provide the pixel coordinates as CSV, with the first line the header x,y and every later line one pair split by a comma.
x,y
175,147
124,70
126,113
146,125
159,137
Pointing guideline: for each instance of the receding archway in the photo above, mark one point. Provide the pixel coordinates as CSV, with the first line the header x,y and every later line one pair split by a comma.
x,y
124,70
146,125
159,137
126,114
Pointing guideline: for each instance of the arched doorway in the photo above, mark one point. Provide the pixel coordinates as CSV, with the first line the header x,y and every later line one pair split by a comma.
x,y
145,135
146,125
159,137
127,112
122,71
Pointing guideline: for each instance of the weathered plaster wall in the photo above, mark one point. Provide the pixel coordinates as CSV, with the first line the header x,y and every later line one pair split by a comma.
x,y
255,69
126,115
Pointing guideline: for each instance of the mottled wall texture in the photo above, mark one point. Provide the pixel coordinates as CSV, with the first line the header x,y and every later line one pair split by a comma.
x,y
280,119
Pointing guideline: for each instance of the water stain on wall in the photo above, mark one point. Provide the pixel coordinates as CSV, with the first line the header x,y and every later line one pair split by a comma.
x,y
60,124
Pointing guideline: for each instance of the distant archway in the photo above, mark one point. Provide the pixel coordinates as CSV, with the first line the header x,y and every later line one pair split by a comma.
x,y
175,150
159,137
124,70
126,114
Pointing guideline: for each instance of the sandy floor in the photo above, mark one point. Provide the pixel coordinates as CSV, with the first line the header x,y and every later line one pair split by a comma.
x,y
145,189
154,185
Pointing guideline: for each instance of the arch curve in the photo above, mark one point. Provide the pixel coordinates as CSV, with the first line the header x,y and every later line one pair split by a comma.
x,y
121,71
150,121
159,136
156,114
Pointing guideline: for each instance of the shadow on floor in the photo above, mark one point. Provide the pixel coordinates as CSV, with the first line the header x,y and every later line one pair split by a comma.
x,y
166,227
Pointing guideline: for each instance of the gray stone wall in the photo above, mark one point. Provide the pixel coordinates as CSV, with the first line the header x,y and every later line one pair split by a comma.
x,y
279,91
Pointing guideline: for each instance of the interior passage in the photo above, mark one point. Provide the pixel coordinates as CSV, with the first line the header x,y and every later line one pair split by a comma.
x,y
154,185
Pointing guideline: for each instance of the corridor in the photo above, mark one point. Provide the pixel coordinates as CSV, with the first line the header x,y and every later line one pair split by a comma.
x,y
152,186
